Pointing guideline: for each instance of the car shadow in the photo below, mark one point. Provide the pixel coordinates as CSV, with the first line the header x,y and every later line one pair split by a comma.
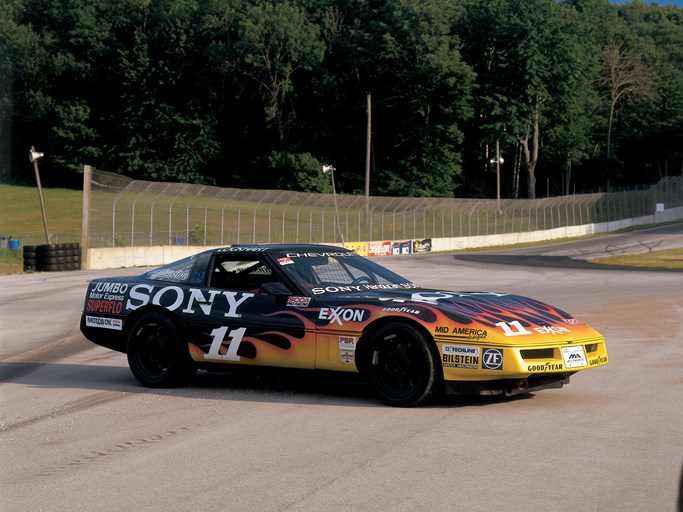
x,y
276,385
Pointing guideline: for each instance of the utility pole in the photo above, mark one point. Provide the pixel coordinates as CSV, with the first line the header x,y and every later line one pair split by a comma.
x,y
498,161
85,226
368,146
34,156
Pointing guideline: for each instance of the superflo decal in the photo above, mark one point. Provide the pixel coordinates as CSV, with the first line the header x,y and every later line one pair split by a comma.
x,y
112,307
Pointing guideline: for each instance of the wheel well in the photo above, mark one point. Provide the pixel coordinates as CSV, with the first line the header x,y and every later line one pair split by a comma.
x,y
375,326
139,313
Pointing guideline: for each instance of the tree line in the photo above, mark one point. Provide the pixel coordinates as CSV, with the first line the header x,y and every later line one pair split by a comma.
x,y
567,95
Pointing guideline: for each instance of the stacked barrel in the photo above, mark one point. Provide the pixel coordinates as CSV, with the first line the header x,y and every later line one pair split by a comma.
x,y
52,257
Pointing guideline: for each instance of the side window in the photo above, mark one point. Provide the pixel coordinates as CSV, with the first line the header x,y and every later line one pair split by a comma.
x,y
240,274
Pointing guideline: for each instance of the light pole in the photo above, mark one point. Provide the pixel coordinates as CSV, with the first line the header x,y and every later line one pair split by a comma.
x,y
328,169
498,161
34,156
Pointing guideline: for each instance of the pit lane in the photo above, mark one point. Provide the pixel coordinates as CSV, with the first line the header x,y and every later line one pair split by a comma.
x,y
78,433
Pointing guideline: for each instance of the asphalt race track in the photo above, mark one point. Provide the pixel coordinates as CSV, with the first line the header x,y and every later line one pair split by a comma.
x,y
78,433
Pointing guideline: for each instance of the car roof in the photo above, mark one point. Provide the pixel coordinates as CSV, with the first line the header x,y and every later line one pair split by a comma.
x,y
267,248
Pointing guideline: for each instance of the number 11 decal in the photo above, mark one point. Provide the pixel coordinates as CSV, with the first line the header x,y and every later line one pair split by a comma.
x,y
218,336
518,330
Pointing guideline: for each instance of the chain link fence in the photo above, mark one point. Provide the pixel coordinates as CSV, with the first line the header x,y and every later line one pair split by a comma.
x,y
126,212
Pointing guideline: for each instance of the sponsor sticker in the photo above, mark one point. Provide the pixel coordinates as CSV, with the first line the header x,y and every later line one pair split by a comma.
x,y
422,245
104,323
598,361
285,261
469,333
298,302
341,315
402,247
364,287
551,329
409,311
347,343
572,321
458,349
458,356
492,359
243,248
321,254
169,274
574,357
347,349
379,248
175,297
544,367
347,356
104,306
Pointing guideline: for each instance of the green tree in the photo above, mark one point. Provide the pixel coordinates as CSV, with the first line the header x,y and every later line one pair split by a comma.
x,y
161,122
624,76
298,171
653,129
55,49
526,58
421,91
276,40
572,120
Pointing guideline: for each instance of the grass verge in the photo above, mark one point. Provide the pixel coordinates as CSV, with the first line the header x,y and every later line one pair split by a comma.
x,y
669,258
11,261
22,219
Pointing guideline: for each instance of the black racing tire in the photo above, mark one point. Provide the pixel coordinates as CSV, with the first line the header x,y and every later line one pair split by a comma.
x,y
402,365
47,248
53,260
157,355
59,267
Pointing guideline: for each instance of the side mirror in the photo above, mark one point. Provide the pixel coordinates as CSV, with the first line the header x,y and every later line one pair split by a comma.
x,y
275,288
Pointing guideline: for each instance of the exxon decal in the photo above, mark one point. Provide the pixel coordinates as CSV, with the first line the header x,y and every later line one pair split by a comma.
x,y
341,315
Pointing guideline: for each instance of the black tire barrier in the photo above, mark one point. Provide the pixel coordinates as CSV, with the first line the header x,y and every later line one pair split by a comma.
x,y
52,257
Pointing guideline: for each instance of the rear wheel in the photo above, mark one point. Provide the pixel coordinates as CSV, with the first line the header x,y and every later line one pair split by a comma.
x,y
401,364
157,355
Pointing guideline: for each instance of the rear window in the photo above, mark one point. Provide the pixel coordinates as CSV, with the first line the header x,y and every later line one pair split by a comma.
x,y
177,272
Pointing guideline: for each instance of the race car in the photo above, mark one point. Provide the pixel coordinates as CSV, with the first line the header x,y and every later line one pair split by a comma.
x,y
327,308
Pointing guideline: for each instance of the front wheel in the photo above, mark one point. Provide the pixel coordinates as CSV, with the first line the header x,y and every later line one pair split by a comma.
x,y
401,365
156,354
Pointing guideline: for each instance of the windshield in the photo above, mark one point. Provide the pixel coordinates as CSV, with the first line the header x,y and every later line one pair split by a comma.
x,y
325,272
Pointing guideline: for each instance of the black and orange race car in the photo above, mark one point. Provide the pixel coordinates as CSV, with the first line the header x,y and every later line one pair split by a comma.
x,y
325,307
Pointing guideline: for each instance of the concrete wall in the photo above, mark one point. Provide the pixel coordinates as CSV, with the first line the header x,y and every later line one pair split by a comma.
x,y
471,242
125,257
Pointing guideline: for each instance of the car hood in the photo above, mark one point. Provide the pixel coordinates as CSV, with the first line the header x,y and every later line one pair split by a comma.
x,y
486,316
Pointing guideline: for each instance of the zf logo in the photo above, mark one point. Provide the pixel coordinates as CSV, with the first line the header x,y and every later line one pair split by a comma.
x,y
492,359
